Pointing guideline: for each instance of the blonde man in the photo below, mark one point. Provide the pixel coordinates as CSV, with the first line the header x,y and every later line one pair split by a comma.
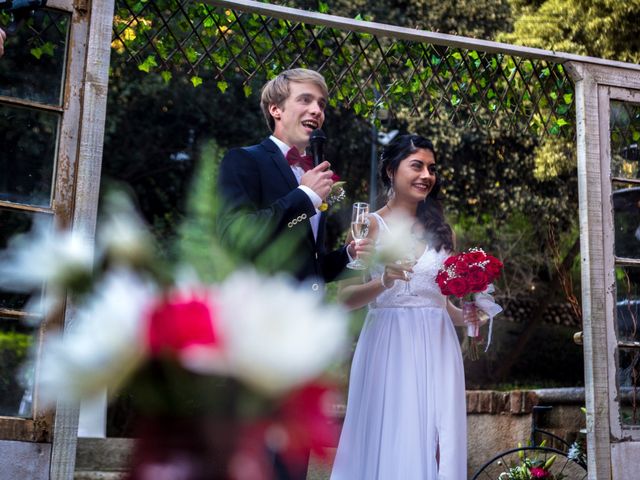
x,y
264,183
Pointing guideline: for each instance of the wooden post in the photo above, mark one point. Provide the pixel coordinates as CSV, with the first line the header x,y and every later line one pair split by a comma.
x,y
95,78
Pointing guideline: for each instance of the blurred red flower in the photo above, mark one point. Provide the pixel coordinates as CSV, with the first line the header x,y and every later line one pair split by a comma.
x,y
181,321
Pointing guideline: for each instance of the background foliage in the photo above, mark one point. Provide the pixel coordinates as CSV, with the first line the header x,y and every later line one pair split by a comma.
x,y
509,192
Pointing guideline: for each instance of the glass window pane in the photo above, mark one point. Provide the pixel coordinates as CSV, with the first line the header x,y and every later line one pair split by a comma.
x,y
15,380
625,134
32,67
628,303
628,383
12,223
626,219
27,157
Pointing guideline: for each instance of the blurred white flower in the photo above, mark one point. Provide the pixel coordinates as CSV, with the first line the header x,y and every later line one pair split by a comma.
x,y
277,334
59,259
103,345
393,245
123,237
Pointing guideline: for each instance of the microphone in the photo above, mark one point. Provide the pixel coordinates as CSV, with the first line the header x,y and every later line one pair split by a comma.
x,y
316,142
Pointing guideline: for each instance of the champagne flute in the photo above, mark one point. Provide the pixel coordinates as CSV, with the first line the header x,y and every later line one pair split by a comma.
x,y
359,230
408,261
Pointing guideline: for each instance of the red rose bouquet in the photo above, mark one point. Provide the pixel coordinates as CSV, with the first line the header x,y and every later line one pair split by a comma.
x,y
468,273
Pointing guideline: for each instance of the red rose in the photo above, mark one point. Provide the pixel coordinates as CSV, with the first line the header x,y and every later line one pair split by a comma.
x,y
179,322
475,256
539,472
477,279
335,177
441,279
493,268
451,261
457,286
461,267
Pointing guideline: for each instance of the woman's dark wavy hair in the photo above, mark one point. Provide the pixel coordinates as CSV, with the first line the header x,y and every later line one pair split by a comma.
x,y
438,233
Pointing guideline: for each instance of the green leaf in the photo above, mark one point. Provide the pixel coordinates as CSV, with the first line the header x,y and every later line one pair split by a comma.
x,y
220,58
192,54
247,90
568,98
196,81
36,52
222,86
549,462
561,122
48,48
166,76
148,64
323,7
635,135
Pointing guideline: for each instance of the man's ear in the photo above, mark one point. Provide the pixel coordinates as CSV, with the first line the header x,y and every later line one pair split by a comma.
x,y
275,111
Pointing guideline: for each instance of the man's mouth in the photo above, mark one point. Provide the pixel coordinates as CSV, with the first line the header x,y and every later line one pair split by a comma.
x,y
311,124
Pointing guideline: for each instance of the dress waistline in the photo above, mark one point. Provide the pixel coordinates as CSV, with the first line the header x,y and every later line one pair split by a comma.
x,y
384,307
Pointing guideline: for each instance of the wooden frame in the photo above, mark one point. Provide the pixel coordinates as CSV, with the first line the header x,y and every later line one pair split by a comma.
x,y
596,85
94,71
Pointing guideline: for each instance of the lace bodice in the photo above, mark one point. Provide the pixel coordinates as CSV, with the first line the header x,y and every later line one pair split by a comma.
x,y
423,281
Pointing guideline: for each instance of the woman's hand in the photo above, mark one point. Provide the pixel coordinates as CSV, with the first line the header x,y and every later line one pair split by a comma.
x,y
395,271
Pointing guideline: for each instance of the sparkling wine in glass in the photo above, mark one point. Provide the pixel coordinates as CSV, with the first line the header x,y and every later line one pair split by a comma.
x,y
359,230
408,261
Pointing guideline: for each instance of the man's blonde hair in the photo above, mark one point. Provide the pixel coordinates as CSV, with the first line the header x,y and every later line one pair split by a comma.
x,y
276,90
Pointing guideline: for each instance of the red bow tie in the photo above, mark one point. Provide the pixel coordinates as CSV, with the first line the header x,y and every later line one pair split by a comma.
x,y
294,158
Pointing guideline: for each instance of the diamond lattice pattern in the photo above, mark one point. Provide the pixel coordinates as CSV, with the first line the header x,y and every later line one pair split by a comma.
x,y
364,71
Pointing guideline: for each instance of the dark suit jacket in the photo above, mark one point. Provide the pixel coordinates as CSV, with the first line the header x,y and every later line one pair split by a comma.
x,y
256,182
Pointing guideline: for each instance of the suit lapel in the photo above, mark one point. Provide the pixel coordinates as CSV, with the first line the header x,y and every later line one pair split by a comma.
x,y
280,163
321,226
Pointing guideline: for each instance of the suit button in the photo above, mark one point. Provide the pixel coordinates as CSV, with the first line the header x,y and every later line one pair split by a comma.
x,y
294,221
290,224
315,287
303,216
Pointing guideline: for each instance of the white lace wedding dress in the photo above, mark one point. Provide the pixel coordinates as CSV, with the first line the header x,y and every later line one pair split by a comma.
x,y
406,401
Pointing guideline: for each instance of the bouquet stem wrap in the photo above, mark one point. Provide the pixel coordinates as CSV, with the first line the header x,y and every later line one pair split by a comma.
x,y
484,301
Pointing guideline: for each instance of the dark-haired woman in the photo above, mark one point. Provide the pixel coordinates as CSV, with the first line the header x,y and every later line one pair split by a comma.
x,y
406,414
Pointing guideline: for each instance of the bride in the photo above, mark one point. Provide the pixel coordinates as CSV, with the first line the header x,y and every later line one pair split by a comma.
x,y
406,414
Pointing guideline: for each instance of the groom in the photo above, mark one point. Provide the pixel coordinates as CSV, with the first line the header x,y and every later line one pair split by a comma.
x,y
269,183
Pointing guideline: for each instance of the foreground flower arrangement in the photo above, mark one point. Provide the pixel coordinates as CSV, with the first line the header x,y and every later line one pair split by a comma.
x,y
228,370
